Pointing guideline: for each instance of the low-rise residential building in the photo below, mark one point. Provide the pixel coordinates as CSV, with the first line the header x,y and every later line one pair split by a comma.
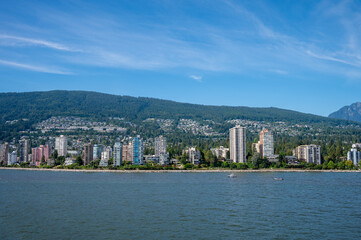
x,y
308,153
255,147
151,159
73,153
164,159
194,155
220,152
174,161
291,160
69,161
273,158
103,163
50,162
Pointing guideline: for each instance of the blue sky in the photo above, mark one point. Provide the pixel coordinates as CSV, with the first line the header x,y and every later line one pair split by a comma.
x,y
299,55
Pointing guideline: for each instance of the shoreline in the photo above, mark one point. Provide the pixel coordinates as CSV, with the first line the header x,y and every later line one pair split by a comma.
x,y
265,170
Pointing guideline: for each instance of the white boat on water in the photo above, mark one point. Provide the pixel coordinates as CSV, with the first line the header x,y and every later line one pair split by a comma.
x,y
232,175
278,178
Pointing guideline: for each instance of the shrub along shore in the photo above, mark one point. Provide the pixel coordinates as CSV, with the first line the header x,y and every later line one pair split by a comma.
x,y
204,170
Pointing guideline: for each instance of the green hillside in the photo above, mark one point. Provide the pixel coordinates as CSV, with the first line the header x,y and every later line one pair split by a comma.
x,y
37,106
30,108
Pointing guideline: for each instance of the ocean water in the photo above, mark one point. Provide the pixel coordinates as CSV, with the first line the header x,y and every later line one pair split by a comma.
x,y
70,205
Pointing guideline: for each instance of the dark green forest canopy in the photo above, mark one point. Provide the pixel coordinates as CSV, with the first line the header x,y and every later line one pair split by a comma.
x,y
30,108
37,106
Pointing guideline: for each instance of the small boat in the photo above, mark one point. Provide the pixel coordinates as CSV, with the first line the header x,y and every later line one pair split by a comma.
x,y
232,175
278,178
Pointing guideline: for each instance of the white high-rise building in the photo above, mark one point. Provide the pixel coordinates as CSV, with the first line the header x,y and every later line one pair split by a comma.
x,y
24,148
61,144
160,145
160,150
237,138
354,155
117,154
105,156
266,144
308,153
12,158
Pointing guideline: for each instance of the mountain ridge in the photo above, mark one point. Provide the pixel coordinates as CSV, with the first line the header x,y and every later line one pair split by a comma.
x,y
350,112
140,104
21,113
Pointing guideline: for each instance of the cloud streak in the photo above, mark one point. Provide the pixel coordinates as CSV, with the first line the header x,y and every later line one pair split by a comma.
x,y
38,42
33,68
197,78
328,58
249,45
278,71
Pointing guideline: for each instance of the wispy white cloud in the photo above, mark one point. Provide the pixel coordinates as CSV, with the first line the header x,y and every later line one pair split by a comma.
x,y
278,71
300,50
329,58
33,68
128,41
31,41
198,78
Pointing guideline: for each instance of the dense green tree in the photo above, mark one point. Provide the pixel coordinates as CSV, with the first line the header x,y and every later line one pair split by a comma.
x,y
349,164
331,165
225,164
341,165
188,166
55,154
79,161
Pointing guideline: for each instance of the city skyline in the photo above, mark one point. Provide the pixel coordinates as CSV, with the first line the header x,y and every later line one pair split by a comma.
x,y
131,150
190,119
292,55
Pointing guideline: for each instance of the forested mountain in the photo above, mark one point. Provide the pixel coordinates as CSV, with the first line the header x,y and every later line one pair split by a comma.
x,y
352,112
26,113
37,106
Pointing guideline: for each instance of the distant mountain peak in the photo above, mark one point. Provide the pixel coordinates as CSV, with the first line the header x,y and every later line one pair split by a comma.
x,y
352,112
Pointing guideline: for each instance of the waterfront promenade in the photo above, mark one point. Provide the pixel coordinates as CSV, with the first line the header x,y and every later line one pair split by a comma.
x,y
177,171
